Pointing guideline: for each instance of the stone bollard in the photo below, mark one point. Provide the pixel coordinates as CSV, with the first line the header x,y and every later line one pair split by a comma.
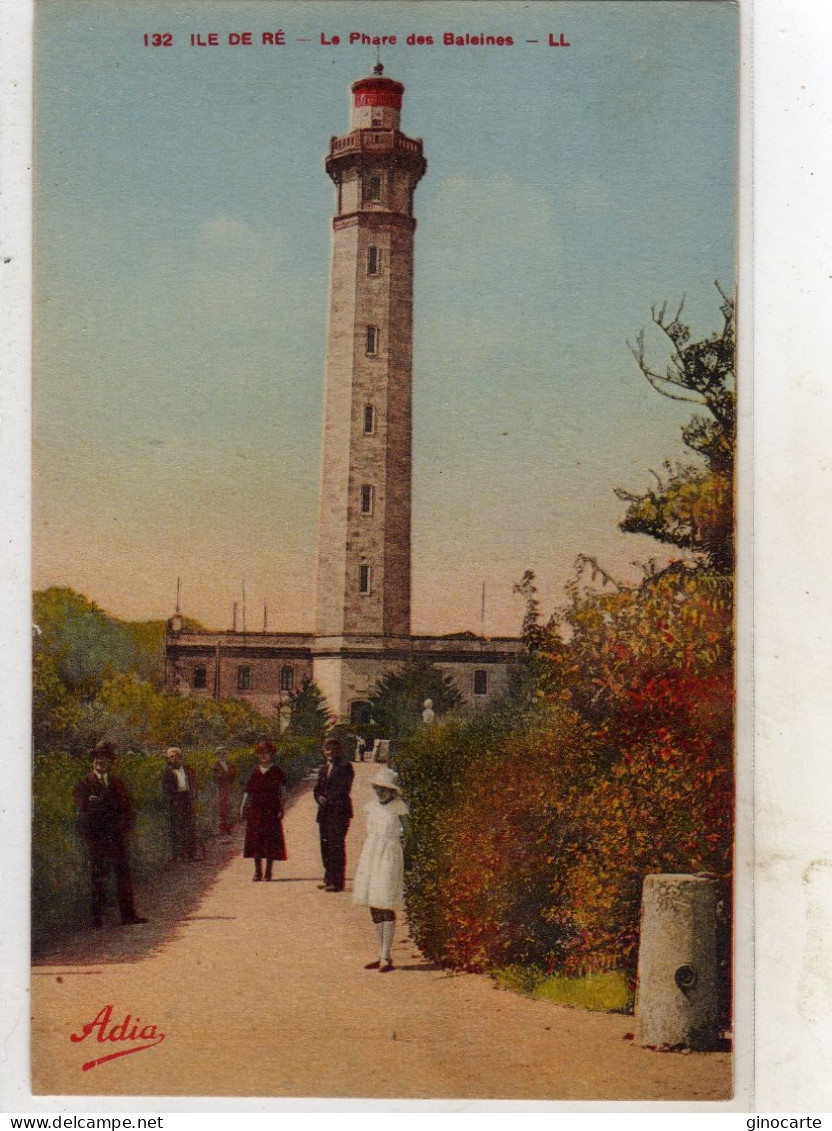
x,y
678,991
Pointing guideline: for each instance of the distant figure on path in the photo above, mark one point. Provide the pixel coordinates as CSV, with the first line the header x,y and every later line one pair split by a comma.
x,y
105,821
332,793
428,714
179,786
379,878
381,750
224,775
360,748
262,806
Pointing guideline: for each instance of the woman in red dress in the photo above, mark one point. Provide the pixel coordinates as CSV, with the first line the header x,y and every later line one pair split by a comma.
x,y
262,807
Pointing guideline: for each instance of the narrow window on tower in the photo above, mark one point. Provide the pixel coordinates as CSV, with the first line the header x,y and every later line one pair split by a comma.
x,y
200,677
372,190
364,579
287,679
243,678
369,419
367,494
373,261
372,339
480,683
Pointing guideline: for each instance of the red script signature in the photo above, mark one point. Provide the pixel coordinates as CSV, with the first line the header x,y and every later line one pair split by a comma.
x,y
131,1030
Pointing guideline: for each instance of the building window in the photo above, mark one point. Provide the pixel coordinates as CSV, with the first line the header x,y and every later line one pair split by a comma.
x,y
369,419
367,494
373,261
372,339
372,190
480,682
243,678
287,679
200,677
364,579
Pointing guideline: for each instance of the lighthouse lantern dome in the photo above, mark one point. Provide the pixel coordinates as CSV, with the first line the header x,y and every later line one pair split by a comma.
x,y
376,103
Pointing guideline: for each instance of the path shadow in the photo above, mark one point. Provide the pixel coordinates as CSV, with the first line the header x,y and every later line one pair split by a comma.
x,y
296,880
168,901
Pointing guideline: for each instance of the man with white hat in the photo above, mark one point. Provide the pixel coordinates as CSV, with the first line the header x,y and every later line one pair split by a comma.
x,y
179,786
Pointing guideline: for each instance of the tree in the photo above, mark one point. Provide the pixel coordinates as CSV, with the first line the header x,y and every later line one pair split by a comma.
x,y
398,698
691,507
530,679
688,509
96,677
310,716
87,646
699,373
531,632
533,827
55,711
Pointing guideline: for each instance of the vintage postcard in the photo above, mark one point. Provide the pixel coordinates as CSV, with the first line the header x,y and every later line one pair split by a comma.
x,y
384,422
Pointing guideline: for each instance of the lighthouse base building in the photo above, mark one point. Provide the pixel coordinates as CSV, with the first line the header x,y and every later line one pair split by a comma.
x,y
363,580
264,668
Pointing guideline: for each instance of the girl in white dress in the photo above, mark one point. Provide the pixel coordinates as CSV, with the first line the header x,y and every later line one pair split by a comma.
x,y
379,878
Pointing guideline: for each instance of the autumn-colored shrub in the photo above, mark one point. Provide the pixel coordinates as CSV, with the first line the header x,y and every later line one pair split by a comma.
x,y
654,813
509,837
435,767
532,832
489,817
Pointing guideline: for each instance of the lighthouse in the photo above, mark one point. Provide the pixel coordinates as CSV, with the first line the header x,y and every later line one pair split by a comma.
x,y
363,586
363,630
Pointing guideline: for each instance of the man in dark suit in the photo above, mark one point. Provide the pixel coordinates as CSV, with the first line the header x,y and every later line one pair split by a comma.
x,y
332,793
179,786
105,820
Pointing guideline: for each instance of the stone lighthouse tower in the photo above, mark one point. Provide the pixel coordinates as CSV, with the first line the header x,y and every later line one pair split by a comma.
x,y
364,525
362,630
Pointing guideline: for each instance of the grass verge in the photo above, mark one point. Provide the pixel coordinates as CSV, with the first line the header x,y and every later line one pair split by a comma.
x,y
609,992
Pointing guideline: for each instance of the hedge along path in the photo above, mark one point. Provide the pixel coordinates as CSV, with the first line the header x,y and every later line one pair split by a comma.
x,y
60,872
261,991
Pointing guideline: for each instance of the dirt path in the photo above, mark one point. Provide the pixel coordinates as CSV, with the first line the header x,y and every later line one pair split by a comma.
x,y
261,991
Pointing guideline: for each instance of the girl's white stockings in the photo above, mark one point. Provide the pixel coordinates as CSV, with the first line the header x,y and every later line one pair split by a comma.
x,y
388,930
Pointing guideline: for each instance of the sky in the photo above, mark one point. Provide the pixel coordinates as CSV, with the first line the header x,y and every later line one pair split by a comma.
x,y
182,241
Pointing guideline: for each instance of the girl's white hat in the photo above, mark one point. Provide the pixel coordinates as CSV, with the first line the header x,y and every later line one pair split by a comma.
x,y
386,779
